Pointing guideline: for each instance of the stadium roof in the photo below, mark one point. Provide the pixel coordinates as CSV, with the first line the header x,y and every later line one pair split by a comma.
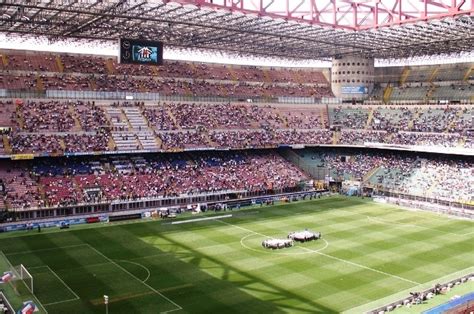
x,y
295,29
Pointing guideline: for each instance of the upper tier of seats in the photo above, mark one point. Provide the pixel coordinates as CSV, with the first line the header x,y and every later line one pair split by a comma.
x,y
41,71
440,81
58,127
456,72
64,63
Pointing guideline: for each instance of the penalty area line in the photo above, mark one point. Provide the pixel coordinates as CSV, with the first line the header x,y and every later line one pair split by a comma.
x,y
200,219
76,297
330,256
178,307
45,250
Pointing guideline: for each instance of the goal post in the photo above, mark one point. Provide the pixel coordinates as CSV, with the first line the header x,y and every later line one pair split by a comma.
x,y
16,277
16,283
25,276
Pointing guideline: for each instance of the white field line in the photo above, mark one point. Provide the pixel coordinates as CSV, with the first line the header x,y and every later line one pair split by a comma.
x,y
467,233
62,281
48,249
34,295
242,242
76,297
401,224
200,219
330,256
178,307
405,293
59,302
139,265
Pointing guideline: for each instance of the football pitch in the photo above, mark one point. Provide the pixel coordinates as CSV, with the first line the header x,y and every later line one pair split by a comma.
x,y
370,253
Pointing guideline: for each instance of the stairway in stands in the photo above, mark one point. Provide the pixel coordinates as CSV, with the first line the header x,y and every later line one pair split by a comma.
x,y
324,117
415,116
39,83
123,137
468,74
369,118
336,137
60,64
404,76
432,87
109,64
232,73
6,145
4,60
387,94
139,127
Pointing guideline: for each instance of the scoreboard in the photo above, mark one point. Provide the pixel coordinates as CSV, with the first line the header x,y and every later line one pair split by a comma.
x,y
137,51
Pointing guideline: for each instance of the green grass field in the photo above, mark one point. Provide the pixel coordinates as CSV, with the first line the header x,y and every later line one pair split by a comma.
x,y
369,255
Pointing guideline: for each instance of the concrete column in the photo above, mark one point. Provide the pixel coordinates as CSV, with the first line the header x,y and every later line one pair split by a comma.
x,y
352,77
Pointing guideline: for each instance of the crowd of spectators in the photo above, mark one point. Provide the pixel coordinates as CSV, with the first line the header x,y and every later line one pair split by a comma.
x,y
242,138
425,139
433,177
352,137
35,144
80,143
29,62
90,116
349,118
184,139
40,116
81,126
422,119
303,137
104,65
444,179
159,118
350,166
215,116
114,178
391,119
163,86
75,72
49,182
21,191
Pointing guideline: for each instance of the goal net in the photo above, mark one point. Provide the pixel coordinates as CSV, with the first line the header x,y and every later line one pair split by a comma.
x,y
25,276
16,285
16,278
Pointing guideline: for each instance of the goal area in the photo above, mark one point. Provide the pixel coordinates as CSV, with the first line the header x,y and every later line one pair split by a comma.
x,y
16,282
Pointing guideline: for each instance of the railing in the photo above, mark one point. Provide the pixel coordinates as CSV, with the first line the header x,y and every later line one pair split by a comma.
x,y
123,207
125,95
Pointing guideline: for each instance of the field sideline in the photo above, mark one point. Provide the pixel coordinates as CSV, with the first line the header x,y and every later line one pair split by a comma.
x,y
369,253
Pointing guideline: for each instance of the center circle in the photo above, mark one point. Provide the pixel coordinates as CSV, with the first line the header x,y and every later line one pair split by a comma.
x,y
253,242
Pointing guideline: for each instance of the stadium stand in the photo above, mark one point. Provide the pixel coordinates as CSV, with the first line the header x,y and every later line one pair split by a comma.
x,y
49,183
58,127
436,177
359,98
103,74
